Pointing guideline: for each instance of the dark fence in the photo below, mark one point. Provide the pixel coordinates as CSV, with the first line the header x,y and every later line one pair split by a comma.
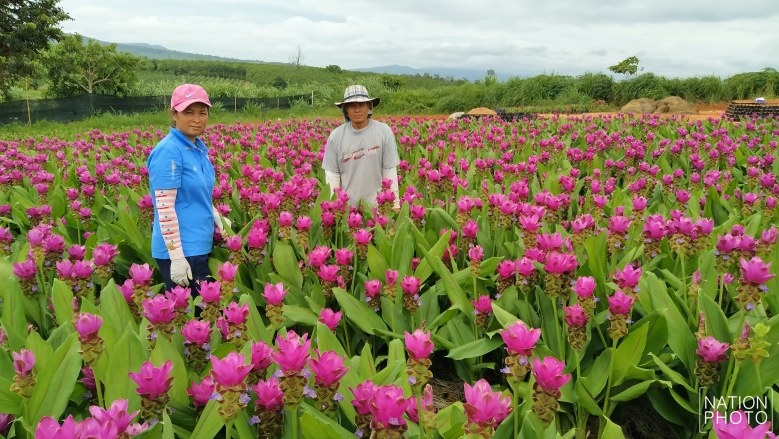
x,y
743,109
81,107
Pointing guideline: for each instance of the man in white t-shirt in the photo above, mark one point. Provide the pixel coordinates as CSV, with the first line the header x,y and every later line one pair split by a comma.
x,y
362,152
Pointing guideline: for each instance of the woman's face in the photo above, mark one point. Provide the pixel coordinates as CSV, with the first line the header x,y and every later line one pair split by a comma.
x,y
192,121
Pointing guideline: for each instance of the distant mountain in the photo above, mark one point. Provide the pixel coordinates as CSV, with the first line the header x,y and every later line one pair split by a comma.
x,y
153,51
443,72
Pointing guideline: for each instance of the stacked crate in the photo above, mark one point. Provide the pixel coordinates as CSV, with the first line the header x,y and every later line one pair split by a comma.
x,y
744,109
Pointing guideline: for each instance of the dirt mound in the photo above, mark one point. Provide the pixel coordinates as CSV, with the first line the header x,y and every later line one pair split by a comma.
x,y
669,105
484,111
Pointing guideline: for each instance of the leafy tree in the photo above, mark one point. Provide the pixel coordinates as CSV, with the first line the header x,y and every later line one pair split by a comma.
x,y
628,66
76,68
26,28
280,83
332,68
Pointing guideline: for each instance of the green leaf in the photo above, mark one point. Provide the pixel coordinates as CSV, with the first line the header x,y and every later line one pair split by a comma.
x,y
56,380
450,420
301,315
426,267
673,375
596,377
62,300
125,356
363,316
286,264
210,421
165,351
475,348
637,390
503,317
376,262
628,353
611,430
315,425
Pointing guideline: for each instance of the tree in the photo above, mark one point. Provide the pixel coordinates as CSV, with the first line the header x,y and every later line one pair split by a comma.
x,y
628,66
26,29
280,83
332,68
297,58
76,68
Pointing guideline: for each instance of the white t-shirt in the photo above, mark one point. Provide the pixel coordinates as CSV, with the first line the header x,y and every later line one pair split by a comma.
x,y
360,156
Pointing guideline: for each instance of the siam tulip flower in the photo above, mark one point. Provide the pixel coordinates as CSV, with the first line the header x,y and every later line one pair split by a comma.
x,y
211,298
469,231
292,355
261,359
329,318
627,279
6,239
620,305
118,416
103,257
362,237
520,341
302,226
507,272
153,386
330,277
24,378
425,403
87,326
180,297
225,275
482,309
49,428
6,420
235,317
256,240
558,267
141,274
755,273
576,317
410,286
549,377
286,220
197,338
711,353
475,256
201,392
318,257
354,221
735,425
387,409
617,232
229,375
26,272
268,408
160,311
373,289
362,401
390,280
328,368
76,252
419,347
484,409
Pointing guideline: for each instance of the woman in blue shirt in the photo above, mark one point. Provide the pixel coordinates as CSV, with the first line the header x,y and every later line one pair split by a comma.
x,y
181,180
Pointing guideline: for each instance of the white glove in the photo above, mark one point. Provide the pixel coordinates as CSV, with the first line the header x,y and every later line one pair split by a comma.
x,y
180,271
222,224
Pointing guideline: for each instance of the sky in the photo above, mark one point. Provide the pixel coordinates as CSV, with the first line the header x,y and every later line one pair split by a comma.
x,y
671,38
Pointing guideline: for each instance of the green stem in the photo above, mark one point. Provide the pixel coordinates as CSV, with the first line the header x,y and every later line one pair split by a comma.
x,y
228,429
732,379
581,417
559,327
606,405
294,421
420,422
515,403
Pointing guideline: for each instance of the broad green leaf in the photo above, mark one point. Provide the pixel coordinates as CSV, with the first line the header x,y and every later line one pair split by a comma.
x,y
450,420
327,341
637,390
286,264
503,317
597,375
376,262
426,267
62,300
611,430
165,351
315,425
628,353
363,316
125,356
56,379
671,374
300,315
476,348
210,421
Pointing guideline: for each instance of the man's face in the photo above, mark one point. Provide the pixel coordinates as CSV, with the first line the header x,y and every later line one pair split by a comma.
x,y
358,112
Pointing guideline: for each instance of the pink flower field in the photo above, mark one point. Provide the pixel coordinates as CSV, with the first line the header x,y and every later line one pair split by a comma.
x,y
609,276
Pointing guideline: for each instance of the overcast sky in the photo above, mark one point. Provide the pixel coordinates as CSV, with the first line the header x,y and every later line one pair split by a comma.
x,y
672,38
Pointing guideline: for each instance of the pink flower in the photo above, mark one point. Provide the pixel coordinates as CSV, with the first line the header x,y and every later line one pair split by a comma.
x,y
269,394
49,428
576,316
388,406
196,332
286,219
482,305
549,374
410,285
231,371
506,269
362,237
262,356
344,257
226,272
318,256
329,273
363,397
712,351
354,221
303,223
584,286
153,381
159,310
292,353
329,318
619,224
426,402
180,296
476,253
391,276
485,407
274,293
470,229
736,426
418,345
372,288
104,254
25,270
141,274
87,325
620,303
328,368
201,392
628,277
236,314
210,292
559,263
118,415
755,271
520,339
24,362
234,243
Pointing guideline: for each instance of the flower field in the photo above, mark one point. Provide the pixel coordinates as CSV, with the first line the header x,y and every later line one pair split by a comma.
x,y
543,278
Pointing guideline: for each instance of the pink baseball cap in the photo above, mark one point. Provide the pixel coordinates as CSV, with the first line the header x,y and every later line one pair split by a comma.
x,y
186,94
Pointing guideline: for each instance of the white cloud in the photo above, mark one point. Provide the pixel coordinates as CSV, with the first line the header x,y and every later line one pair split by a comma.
x,y
671,38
